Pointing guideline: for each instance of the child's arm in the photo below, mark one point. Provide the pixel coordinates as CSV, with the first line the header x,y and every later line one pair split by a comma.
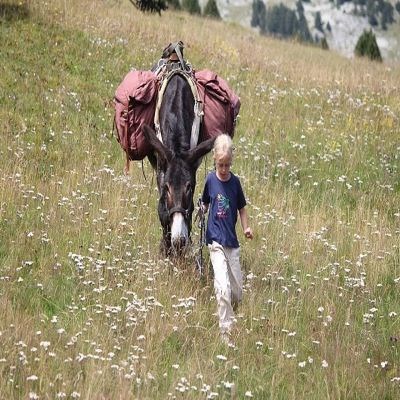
x,y
245,224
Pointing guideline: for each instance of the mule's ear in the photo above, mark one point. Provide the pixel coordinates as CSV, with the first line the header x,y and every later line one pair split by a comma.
x,y
194,155
163,153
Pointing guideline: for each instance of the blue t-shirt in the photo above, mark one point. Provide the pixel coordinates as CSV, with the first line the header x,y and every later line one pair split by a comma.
x,y
224,200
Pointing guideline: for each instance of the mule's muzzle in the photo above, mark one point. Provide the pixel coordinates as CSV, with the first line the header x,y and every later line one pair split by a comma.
x,y
179,229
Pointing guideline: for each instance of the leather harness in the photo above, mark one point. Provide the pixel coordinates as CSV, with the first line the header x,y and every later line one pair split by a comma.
x,y
198,105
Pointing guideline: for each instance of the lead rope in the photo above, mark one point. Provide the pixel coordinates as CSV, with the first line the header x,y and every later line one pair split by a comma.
x,y
202,226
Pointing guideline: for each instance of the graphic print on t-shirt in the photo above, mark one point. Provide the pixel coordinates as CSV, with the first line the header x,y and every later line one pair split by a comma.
x,y
223,206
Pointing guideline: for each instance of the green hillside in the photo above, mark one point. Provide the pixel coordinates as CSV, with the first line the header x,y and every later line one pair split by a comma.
x,y
88,307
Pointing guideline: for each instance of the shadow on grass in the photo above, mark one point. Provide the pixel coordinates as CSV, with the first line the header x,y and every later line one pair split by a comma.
x,y
13,12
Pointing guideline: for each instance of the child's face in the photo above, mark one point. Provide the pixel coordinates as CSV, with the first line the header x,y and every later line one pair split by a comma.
x,y
223,165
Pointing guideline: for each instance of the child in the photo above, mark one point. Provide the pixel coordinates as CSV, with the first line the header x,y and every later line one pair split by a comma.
x,y
223,193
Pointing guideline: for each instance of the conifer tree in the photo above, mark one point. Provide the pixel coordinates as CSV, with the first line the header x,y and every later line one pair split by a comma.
x,y
372,20
324,44
386,15
367,46
302,25
299,7
191,6
281,21
150,6
174,4
304,32
258,15
372,11
318,22
211,10
328,27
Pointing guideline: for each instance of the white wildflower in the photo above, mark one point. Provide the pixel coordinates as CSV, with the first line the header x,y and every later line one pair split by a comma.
x,y
302,364
228,385
45,344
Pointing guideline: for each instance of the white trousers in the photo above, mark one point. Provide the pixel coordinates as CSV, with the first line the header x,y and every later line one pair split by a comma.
x,y
228,282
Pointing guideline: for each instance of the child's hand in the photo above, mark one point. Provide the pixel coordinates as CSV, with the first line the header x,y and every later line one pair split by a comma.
x,y
248,233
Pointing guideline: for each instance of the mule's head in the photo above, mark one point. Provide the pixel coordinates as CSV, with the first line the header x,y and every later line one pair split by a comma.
x,y
176,181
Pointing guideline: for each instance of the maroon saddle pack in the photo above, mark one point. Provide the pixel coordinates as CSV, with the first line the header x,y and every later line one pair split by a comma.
x,y
135,103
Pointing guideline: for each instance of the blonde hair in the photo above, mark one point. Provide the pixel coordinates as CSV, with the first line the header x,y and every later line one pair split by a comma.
x,y
223,146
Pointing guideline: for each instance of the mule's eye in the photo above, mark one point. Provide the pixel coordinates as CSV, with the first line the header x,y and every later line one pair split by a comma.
x,y
168,194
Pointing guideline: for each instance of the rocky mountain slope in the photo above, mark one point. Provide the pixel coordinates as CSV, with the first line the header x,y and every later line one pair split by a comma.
x,y
346,27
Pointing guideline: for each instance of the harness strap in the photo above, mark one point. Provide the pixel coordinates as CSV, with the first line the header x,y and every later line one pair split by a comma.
x,y
198,106
179,54
128,159
200,216
198,117
179,210
172,51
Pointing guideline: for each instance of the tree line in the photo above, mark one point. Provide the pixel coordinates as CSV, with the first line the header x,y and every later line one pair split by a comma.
x,y
281,21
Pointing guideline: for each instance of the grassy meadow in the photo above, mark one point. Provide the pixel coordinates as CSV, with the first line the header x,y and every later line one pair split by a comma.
x,y
88,307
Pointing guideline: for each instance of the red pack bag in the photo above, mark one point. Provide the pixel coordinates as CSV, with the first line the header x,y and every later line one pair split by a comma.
x,y
220,104
135,103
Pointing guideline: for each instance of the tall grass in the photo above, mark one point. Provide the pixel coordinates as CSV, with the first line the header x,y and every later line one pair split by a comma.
x,y
89,309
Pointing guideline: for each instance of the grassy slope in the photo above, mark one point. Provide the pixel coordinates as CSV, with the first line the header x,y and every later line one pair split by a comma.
x,y
318,152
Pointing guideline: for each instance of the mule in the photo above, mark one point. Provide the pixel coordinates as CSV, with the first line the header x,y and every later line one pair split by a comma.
x,y
176,163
